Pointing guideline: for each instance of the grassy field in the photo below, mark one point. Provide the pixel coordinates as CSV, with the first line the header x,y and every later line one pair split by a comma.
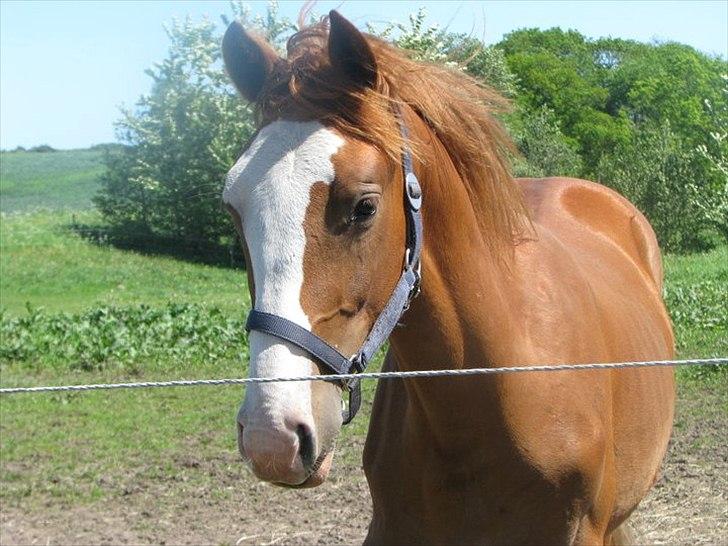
x,y
44,263
77,311
55,180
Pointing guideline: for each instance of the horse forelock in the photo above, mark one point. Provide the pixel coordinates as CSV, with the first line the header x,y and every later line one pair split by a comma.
x,y
459,110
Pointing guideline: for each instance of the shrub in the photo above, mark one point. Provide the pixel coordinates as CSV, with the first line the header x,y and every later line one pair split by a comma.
x,y
133,339
41,148
461,52
665,180
715,152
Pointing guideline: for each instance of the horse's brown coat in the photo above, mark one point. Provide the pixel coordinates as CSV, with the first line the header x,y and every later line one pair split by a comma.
x,y
528,458
558,458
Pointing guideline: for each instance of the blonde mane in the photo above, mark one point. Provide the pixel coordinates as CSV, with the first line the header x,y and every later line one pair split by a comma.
x,y
458,109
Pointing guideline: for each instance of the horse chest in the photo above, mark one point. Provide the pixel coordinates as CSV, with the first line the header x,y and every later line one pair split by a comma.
x,y
476,489
470,507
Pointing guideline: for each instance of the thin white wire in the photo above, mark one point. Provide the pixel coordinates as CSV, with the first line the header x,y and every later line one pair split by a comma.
x,y
375,375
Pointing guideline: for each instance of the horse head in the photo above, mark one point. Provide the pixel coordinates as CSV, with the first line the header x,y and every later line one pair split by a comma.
x,y
318,207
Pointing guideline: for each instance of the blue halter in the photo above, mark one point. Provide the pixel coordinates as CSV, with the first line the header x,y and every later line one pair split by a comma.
x,y
406,288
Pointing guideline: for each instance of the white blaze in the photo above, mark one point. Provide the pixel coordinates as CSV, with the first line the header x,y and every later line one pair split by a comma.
x,y
270,187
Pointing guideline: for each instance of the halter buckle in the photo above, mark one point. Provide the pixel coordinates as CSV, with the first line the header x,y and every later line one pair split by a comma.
x,y
357,363
416,270
413,190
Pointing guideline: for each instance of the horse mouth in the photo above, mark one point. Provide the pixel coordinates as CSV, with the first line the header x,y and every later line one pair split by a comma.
x,y
316,475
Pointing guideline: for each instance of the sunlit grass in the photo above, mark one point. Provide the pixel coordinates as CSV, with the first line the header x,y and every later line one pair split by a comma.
x,y
696,288
44,263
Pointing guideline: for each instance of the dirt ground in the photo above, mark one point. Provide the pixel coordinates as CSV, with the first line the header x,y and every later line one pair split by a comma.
x,y
217,501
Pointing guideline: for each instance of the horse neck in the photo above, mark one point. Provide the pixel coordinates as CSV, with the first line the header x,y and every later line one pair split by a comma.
x,y
462,315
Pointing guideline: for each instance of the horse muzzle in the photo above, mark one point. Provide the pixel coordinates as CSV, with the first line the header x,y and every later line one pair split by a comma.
x,y
286,454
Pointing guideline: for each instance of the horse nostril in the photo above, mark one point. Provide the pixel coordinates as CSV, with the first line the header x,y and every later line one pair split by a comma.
x,y
306,446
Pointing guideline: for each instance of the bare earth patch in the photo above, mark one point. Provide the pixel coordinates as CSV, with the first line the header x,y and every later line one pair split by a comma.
x,y
689,505
216,501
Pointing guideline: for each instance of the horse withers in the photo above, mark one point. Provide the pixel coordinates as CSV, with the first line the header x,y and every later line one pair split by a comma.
x,y
525,272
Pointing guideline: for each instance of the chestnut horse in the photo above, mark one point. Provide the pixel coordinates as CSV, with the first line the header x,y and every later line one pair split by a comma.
x,y
527,271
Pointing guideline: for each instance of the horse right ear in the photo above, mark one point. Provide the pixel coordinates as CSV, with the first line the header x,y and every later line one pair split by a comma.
x,y
249,60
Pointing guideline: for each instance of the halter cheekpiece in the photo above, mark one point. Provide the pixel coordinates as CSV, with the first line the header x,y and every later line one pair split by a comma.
x,y
405,290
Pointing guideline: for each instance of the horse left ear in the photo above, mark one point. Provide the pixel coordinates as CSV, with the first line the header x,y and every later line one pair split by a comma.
x,y
350,53
249,60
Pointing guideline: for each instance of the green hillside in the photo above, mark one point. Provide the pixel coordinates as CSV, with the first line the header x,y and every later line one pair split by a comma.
x,y
46,262
56,180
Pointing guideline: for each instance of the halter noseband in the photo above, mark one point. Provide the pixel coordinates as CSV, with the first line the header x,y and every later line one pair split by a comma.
x,y
406,288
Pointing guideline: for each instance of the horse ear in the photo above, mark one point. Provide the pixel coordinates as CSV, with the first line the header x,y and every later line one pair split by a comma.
x,y
249,60
350,53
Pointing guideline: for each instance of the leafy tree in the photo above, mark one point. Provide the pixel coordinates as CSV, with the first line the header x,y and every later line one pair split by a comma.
x,y
667,82
662,177
459,51
647,119
42,148
181,139
599,88
546,150
715,152
556,69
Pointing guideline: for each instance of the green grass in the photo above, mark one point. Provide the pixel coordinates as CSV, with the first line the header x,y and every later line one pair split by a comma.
x,y
60,445
43,263
696,292
55,180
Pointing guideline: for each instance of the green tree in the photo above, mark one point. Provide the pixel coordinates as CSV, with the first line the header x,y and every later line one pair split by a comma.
x,y
181,139
667,82
715,152
662,177
647,119
599,89
459,51
546,150
556,69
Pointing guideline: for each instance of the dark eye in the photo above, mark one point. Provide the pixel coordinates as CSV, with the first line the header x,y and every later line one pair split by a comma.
x,y
364,209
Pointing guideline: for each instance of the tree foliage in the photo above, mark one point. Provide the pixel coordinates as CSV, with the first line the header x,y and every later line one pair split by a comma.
x,y
715,153
181,139
647,119
660,175
546,150
429,43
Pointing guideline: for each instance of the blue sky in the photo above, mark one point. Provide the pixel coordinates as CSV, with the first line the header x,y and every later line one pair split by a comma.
x,y
66,67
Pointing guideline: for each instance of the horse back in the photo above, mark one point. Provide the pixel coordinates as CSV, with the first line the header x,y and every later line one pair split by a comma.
x,y
600,210
597,258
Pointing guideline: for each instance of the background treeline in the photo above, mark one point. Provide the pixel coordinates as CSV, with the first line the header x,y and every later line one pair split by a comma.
x,y
650,120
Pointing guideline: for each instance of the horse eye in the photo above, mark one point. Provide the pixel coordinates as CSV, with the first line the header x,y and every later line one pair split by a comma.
x,y
364,209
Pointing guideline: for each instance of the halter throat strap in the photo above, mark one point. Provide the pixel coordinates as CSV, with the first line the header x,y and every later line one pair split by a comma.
x,y
407,287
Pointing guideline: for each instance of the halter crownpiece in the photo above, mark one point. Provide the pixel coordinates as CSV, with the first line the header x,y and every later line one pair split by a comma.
x,y
406,288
